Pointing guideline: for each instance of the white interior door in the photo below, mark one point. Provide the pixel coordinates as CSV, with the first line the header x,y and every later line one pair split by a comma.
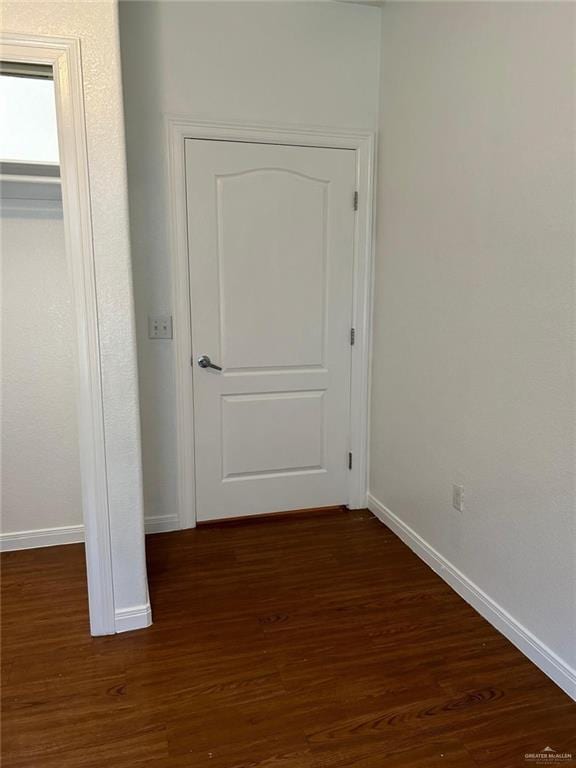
x,y
270,242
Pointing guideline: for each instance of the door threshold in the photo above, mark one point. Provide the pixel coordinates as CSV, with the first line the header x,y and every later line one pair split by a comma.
x,y
268,516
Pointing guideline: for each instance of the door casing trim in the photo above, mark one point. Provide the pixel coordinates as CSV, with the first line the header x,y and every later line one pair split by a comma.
x,y
178,129
63,54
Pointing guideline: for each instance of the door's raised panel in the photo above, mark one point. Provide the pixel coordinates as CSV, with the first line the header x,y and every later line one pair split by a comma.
x,y
272,247
276,432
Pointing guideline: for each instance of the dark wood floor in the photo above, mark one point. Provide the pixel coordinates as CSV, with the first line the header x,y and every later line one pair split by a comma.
x,y
306,643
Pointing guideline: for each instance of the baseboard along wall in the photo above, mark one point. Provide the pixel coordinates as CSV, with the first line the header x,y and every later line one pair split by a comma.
x,y
538,652
73,534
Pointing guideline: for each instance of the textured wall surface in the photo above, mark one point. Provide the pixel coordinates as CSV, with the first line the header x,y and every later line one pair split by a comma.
x,y
293,63
96,24
40,462
473,377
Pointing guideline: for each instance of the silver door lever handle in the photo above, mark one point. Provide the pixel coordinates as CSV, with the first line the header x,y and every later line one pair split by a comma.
x,y
205,362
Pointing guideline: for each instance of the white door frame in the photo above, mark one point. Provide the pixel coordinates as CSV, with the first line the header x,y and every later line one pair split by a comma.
x,y
178,130
63,54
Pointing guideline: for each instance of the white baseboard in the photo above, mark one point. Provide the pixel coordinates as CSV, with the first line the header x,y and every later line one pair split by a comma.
x,y
128,619
161,523
73,534
539,653
41,537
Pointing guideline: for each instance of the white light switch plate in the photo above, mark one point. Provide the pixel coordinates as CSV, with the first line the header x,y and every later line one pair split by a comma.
x,y
159,327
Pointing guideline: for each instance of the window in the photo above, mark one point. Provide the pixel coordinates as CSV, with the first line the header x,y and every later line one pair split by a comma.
x,y
28,125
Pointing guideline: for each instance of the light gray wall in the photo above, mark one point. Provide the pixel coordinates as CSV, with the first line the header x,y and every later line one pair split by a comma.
x,y
473,377
40,460
293,63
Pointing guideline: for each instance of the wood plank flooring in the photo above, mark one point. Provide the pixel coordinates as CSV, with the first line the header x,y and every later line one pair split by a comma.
x,y
317,642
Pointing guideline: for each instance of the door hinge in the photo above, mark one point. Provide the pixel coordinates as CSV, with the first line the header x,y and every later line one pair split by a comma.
x,y
356,200
349,461
352,336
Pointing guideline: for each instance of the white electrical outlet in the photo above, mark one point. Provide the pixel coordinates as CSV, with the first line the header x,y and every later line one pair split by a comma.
x,y
160,327
458,497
